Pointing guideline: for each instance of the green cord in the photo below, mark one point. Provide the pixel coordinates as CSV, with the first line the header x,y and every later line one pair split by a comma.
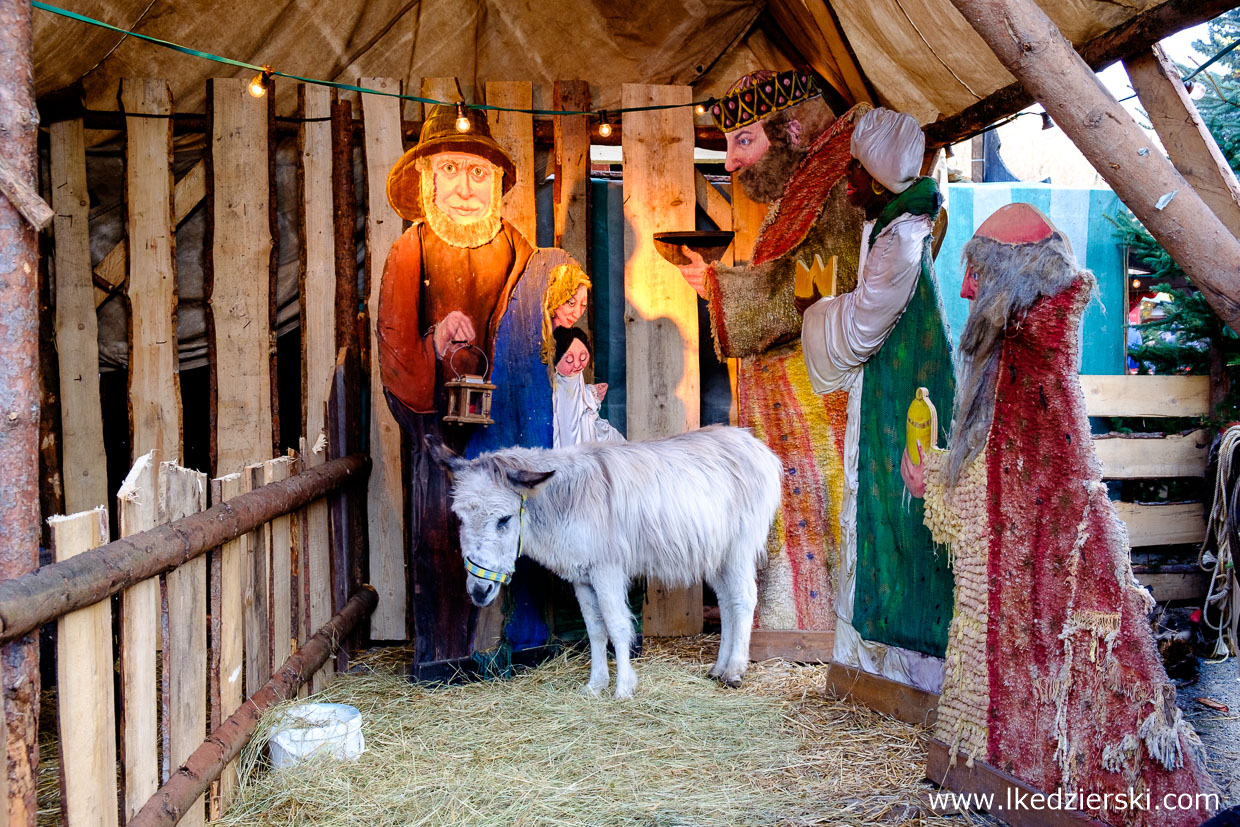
x,y
331,83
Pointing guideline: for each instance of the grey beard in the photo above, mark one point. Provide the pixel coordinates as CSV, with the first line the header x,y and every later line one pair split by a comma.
x,y
765,180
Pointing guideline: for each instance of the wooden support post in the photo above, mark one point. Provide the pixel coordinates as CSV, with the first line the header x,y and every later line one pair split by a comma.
x,y
19,402
572,170
239,285
256,598
1033,49
230,643
1192,148
84,686
137,510
318,337
514,131
154,366
280,553
382,147
182,492
83,464
661,321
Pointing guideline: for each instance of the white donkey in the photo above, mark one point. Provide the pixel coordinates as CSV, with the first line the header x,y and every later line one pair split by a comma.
x,y
687,508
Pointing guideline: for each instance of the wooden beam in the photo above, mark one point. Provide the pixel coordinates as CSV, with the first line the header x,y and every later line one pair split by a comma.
x,y
20,400
256,598
385,495
1029,45
983,779
154,364
1175,585
795,22
84,687
793,645
1137,34
572,170
239,287
824,16
711,201
318,338
110,273
24,197
1184,135
137,510
231,628
892,698
1137,457
514,131
1162,525
661,321
182,492
83,462
1146,395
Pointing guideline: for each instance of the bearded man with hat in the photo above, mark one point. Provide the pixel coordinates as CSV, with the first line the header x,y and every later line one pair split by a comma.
x,y
446,285
1052,672
788,150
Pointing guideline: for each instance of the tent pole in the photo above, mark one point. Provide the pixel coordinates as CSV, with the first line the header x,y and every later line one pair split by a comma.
x,y
1034,50
19,400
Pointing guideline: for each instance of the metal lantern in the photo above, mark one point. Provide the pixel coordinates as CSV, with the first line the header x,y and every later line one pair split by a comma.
x,y
469,395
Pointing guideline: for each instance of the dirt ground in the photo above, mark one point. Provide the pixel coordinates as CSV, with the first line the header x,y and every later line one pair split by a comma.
x,y
1219,731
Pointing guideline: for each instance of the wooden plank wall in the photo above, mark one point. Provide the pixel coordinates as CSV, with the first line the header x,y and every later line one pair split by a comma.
x,y
318,340
239,286
663,385
1140,456
514,131
385,504
229,631
154,366
83,464
84,686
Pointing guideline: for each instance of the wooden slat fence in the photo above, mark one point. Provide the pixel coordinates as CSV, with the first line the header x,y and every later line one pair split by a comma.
x,y
1141,456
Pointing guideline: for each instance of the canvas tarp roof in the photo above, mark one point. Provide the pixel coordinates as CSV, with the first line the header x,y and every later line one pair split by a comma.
x,y
920,56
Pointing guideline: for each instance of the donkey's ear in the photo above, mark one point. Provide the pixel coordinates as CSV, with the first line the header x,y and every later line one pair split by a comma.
x,y
526,479
444,455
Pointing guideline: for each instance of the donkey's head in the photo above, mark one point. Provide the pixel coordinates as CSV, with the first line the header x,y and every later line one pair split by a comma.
x,y
488,497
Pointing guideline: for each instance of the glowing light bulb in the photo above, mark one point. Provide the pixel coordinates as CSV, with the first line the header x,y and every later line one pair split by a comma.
x,y
258,87
462,119
604,126
1136,283
1196,91
700,109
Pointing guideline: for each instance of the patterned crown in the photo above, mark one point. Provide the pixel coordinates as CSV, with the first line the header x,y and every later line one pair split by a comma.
x,y
762,93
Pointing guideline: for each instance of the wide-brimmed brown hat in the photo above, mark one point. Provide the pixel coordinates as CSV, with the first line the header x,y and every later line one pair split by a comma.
x,y
439,134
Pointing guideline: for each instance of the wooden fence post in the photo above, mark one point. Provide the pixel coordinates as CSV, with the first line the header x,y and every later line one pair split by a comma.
x,y
661,318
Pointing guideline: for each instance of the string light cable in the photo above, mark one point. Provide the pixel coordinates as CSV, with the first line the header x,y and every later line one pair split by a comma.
x,y
262,80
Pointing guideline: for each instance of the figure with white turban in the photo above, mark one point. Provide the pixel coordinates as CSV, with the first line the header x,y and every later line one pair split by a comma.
x,y
879,342
788,149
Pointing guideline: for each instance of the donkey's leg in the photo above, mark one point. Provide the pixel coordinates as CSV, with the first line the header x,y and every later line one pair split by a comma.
x,y
610,588
742,588
599,678
726,630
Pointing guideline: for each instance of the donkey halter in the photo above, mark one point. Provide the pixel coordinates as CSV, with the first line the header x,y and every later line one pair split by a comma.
x,y
503,578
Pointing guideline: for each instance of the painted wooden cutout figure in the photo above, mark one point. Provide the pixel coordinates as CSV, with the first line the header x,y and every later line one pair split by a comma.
x,y
1052,674
447,280
576,404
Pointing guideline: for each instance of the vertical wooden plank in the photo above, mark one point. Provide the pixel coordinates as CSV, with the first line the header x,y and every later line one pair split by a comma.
x,y
747,218
136,504
318,340
514,131
661,321
385,499
572,169
83,464
239,287
280,552
256,590
84,685
441,89
154,366
231,642
182,492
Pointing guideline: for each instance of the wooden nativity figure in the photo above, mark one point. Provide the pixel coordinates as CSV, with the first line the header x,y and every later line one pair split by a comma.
x,y
575,403
446,284
1051,673
842,521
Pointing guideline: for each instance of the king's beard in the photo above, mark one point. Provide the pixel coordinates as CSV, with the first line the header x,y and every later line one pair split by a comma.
x,y
764,181
454,233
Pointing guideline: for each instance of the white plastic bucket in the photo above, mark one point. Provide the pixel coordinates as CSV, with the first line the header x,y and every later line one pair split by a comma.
x,y
316,729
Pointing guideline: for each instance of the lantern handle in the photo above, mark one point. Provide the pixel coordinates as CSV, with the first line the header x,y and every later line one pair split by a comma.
x,y
459,345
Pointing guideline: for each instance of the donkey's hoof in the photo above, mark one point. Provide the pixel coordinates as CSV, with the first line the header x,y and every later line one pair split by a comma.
x,y
593,690
733,681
